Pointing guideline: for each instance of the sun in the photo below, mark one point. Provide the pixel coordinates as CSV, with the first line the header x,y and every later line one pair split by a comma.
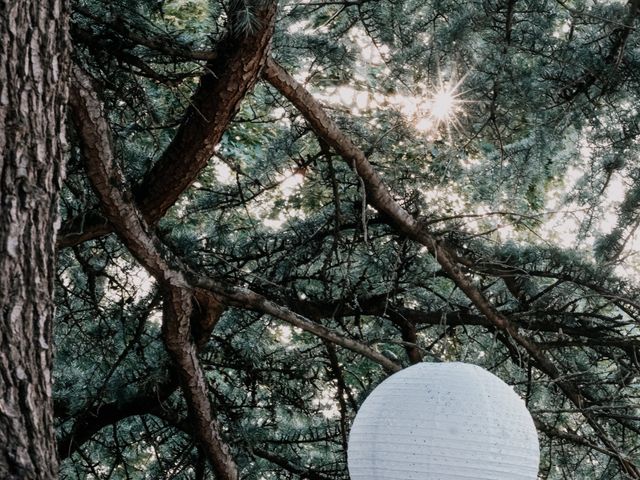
x,y
443,105
442,108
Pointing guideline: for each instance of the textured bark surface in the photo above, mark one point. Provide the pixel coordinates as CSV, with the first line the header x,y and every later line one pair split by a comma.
x,y
230,76
33,91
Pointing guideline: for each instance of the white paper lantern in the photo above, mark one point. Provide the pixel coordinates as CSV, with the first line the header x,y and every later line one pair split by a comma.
x,y
443,421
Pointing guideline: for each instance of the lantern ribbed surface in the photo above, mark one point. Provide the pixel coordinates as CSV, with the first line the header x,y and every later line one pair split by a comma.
x,y
443,421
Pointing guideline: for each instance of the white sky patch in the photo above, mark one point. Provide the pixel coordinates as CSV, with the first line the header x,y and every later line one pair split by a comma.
x,y
280,115
302,75
349,98
298,27
66,279
141,283
446,195
424,124
369,52
326,402
562,29
613,195
155,318
275,223
290,184
471,162
282,333
362,100
223,172
265,207
278,222
562,228
346,95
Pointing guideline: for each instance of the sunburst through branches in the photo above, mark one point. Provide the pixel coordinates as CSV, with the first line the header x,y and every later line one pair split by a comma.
x,y
442,109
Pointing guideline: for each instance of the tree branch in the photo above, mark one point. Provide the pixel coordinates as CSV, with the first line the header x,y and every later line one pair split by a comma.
x,y
110,186
228,77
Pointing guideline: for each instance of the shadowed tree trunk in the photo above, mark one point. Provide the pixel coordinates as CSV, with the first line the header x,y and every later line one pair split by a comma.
x,y
33,95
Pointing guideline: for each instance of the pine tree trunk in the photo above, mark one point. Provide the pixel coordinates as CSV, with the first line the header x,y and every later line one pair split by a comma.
x,y
33,95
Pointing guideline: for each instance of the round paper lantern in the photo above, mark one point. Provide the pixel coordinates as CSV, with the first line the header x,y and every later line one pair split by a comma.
x,y
443,421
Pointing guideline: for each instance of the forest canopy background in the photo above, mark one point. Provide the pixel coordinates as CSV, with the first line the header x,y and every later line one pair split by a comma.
x,y
269,208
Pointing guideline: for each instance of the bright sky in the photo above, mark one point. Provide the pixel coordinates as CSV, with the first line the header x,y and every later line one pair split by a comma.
x,y
432,109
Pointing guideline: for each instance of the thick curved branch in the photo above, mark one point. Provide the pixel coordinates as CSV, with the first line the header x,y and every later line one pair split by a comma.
x,y
287,465
111,188
571,437
95,419
380,198
229,76
96,415
572,324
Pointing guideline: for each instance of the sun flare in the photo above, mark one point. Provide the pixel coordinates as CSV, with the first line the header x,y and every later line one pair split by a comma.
x,y
443,105
442,108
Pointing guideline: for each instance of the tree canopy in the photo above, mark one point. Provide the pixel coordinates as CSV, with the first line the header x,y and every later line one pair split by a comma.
x,y
271,206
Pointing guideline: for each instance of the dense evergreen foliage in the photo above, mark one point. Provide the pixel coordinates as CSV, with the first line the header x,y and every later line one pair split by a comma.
x,y
507,133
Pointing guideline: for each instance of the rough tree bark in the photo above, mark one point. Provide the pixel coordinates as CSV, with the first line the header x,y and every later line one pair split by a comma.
x,y
33,96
